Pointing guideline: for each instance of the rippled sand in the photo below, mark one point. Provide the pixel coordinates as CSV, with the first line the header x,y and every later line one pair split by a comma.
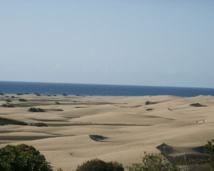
x,y
106,127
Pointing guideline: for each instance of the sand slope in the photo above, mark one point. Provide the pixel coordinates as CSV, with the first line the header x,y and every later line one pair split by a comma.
x,y
109,128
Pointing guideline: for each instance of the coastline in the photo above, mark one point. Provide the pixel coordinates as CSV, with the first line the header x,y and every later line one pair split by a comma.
x,y
100,89
110,128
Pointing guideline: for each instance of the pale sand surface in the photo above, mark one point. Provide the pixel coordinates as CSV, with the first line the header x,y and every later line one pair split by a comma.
x,y
125,127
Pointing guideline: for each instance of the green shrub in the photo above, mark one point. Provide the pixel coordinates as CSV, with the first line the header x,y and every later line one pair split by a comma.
x,y
57,102
59,169
209,149
154,162
32,109
99,165
8,105
114,166
40,124
22,158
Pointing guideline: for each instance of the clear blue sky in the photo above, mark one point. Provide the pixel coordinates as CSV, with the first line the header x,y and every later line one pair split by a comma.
x,y
130,42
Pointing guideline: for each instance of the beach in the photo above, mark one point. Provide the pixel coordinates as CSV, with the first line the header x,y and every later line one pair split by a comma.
x,y
111,128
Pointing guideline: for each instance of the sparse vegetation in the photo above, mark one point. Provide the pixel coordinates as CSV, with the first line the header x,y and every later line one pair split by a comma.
x,y
22,157
151,161
8,105
99,165
6,121
32,109
40,124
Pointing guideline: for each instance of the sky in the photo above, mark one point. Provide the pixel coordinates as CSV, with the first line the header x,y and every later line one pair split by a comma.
x,y
118,42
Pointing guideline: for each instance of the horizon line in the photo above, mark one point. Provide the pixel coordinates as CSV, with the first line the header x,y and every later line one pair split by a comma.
x,y
107,84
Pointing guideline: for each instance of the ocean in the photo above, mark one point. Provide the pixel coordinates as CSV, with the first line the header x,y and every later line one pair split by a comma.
x,y
95,89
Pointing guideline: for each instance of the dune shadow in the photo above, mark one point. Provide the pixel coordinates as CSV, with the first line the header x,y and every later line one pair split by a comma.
x,y
24,138
181,154
57,110
97,137
49,120
197,105
150,103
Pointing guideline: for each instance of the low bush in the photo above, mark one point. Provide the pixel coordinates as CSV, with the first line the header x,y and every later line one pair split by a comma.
x,y
32,109
22,158
8,105
209,149
154,162
99,165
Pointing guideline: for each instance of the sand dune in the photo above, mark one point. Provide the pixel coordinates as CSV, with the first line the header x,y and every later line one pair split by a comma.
x,y
109,128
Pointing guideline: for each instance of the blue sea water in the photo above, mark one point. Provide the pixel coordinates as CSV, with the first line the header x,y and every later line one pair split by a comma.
x,y
93,89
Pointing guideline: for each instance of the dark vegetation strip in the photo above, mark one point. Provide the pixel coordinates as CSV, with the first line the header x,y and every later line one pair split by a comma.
x,y
6,121
8,105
